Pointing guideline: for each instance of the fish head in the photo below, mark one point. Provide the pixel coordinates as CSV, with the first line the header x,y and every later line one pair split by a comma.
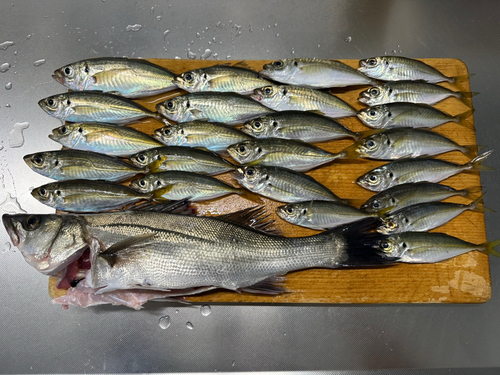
x,y
379,202
295,213
43,162
245,152
395,223
147,184
192,81
50,195
372,146
392,246
375,95
280,70
261,127
69,135
252,177
78,76
271,96
377,179
144,158
170,135
58,106
175,109
376,116
374,67
47,242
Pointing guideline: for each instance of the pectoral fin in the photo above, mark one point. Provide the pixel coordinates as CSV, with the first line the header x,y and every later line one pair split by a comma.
x,y
110,253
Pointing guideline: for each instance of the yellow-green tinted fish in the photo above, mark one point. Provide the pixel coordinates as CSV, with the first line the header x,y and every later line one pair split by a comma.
x,y
314,73
416,170
177,158
404,195
221,78
396,115
210,135
425,216
228,108
294,98
87,196
304,126
131,78
412,92
321,214
400,143
94,106
103,138
282,184
72,164
288,153
422,247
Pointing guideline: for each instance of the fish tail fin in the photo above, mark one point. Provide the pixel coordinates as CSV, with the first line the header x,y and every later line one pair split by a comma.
x,y
460,80
461,119
470,150
489,248
466,97
247,194
472,192
478,206
476,163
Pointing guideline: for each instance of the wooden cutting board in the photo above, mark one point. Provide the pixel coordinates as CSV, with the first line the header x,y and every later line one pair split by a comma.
x,y
464,279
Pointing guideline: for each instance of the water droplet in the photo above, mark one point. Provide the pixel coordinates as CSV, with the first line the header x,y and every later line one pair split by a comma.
x,y
284,333
11,205
218,24
8,85
29,36
6,247
205,310
177,58
7,105
238,29
39,62
276,24
215,55
152,10
189,325
233,363
198,35
6,44
348,39
293,51
228,57
177,311
206,54
191,55
164,322
393,52
399,46
278,34
319,45
135,27
104,1
250,28
158,18
4,67
16,138
165,33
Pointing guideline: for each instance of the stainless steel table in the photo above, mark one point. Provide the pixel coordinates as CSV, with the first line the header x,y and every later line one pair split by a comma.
x,y
38,337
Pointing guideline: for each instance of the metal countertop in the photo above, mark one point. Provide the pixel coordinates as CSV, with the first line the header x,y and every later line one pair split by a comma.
x,y
38,337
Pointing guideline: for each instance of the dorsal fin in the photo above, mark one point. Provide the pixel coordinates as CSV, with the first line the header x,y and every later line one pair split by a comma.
x,y
251,218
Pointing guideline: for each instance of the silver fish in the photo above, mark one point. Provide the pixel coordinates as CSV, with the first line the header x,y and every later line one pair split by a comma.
x,y
184,254
321,214
94,106
404,195
397,115
228,108
425,216
398,68
422,247
400,143
314,73
412,92
210,135
288,153
304,126
416,170
103,138
131,78
221,78
285,98
177,158
87,196
282,184
72,164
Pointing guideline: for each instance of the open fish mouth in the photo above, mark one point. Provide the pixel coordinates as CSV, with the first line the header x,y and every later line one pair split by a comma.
x,y
9,226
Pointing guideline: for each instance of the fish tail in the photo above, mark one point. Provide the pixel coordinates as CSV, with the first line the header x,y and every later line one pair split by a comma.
x,y
476,163
247,194
466,97
478,206
460,80
461,119
472,193
469,150
489,248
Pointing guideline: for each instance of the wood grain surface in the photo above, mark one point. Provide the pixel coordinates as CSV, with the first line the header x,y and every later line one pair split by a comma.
x,y
464,279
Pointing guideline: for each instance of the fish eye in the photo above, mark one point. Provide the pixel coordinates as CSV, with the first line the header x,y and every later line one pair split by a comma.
x,y
372,62
141,158
278,63
242,149
250,172
373,178
289,210
142,183
43,192
370,144
373,113
376,204
68,71
50,102
38,159
167,131
188,77
268,90
391,224
257,125
32,222
374,91
170,104
385,245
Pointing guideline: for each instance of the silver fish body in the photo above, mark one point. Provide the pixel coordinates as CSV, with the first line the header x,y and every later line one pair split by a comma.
x,y
178,158
210,135
220,78
103,138
408,194
294,98
94,106
228,108
400,143
87,196
282,184
131,78
422,247
288,153
409,91
72,164
320,214
416,170
314,73
396,115
304,126
398,68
